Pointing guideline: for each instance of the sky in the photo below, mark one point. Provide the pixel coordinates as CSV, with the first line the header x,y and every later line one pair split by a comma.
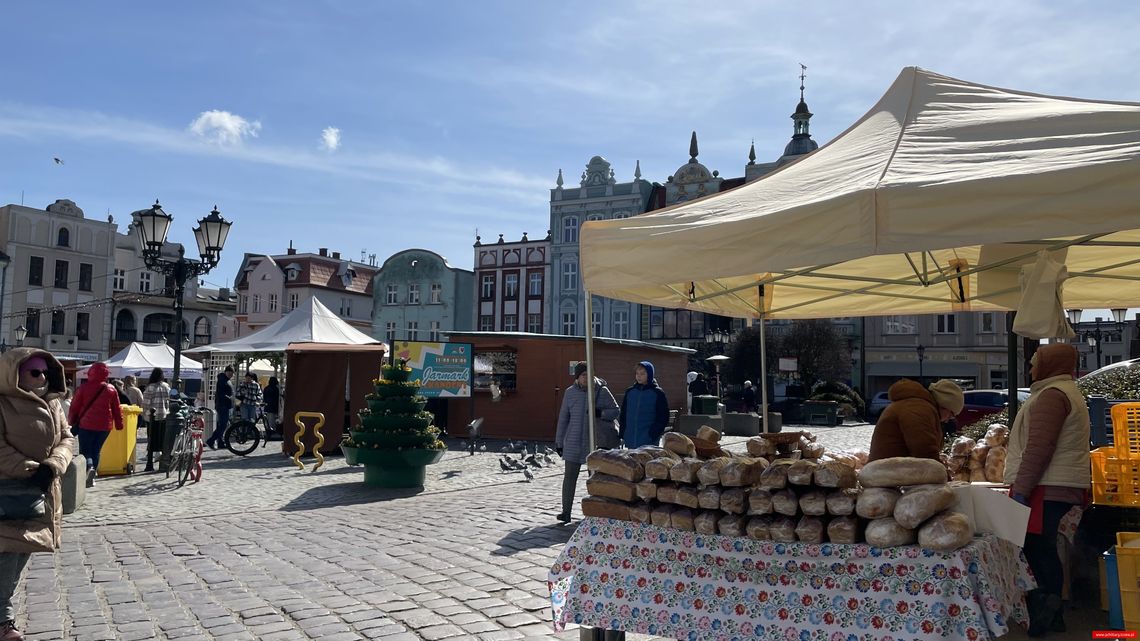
x,y
374,127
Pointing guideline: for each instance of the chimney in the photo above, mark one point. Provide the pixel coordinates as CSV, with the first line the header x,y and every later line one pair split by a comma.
x,y
336,255
290,251
223,293
323,251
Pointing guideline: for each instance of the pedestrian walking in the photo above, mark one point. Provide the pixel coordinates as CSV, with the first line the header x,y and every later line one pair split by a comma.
x,y
272,398
249,394
572,438
749,397
131,389
644,409
94,411
699,387
223,404
1047,468
912,424
36,447
121,391
156,405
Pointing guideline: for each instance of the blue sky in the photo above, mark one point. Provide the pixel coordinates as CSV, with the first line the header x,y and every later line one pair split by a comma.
x,y
456,116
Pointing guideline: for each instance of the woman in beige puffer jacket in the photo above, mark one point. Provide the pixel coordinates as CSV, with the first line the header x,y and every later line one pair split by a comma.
x,y
36,447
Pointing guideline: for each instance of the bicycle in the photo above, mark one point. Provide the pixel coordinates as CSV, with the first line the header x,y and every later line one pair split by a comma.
x,y
242,435
186,455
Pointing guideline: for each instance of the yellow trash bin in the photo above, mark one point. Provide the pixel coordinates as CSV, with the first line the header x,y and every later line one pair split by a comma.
x,y
118,454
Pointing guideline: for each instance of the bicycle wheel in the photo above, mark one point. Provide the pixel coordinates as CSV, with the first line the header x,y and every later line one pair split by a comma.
x,y
187,457
242,437
181,443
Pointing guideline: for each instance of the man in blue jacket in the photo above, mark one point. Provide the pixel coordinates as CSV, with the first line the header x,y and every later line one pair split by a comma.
x,y
644,409
223,404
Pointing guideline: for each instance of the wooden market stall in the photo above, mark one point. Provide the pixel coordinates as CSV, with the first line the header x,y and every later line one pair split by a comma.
x,y
331,379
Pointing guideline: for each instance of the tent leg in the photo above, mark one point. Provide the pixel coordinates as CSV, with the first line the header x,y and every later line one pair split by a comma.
x,y
590,366
763,370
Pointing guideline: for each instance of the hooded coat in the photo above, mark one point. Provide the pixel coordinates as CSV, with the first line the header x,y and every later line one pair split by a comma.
x,y
33,432
224,393
910,426
96,402
572,435
644,411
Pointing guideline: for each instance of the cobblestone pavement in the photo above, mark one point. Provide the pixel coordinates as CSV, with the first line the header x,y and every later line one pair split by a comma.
x,y
261,550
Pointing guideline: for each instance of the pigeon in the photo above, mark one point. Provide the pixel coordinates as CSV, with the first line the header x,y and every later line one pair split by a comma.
x,y
531,460
528,475
482,447
504,449
505,465
547,459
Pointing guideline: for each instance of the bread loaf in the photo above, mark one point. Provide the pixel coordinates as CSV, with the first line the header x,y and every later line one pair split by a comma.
x,y
995,464
801,472
761,447
709,434
958,463
687,496
759,501
775,476
679,444
682,519
685,470
887,532
667,492
612,487
834,474
705,522
732,500
902,470
741,472
661,514
916,506
962,446
785,502
978,456
647,453
616,463
731,525
962,475
646,490
977,475
875,502
945,532
658,468
814,503
782,529
843,529
757,528
709,473
605,508
997,435
842,502
810,529
641,512
810,449
709,497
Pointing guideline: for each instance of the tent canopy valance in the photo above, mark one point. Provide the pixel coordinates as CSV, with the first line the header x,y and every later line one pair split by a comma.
x,y
932,202
310,322
140,359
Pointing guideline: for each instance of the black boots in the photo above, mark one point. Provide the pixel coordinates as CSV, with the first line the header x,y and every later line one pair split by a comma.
x,y
1045,613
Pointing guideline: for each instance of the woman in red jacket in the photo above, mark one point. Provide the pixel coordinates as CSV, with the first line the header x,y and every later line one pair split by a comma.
x,y
94,410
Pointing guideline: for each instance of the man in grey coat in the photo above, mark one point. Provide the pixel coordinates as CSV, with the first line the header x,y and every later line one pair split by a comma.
x,y
572,439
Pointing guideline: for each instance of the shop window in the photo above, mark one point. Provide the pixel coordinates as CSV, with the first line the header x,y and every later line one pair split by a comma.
x,y
496,366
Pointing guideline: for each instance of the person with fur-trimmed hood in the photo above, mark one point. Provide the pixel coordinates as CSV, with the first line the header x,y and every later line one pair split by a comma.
x,y
36,447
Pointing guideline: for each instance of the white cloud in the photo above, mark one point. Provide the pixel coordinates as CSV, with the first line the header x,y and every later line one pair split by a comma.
x,y
330,139
223,127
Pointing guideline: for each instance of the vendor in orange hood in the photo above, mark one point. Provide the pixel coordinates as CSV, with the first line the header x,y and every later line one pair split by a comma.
x,y
94,411
1047,467
912,424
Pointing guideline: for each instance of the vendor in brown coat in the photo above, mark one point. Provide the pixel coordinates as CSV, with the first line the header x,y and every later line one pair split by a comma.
x,y
1048,469
36,447
912,424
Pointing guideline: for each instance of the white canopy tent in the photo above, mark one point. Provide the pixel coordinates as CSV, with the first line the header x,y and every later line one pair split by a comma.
x,y
310,322
139,359
932,202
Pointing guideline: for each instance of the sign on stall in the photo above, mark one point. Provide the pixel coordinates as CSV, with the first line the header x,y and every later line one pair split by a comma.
x,y
443,369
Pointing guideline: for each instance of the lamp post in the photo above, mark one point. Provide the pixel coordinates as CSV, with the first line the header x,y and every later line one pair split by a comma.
x,y
210,234
21,334
717,337
921,350
1096,336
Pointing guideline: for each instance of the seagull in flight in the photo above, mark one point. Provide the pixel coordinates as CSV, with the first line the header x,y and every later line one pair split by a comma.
x,y
58,161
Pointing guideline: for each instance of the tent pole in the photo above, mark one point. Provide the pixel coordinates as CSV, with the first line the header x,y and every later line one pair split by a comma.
x,y
1011,355
590,367
763,368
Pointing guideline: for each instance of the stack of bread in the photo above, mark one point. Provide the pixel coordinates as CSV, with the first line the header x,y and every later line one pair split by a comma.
x,y
907,499
979,461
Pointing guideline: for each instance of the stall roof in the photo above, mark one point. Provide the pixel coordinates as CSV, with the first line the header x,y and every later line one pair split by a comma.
x,y
310,322
599,339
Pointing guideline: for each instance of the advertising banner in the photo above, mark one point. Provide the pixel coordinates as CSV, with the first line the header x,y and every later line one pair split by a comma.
x,y
443,369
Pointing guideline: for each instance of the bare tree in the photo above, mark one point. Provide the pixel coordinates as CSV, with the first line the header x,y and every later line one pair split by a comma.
x,y
820,350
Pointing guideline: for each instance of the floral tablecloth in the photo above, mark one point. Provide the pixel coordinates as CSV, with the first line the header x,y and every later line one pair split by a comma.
x,y
619,575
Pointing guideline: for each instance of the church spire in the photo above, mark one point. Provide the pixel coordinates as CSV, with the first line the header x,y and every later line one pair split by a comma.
x,y
752,153
693,148
559,181
801,142
637,171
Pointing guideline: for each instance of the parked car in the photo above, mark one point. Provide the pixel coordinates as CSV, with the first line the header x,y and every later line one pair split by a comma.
x,y
980,403
876,405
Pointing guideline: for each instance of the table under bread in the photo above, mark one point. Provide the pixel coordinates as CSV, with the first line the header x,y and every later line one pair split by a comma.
x,y
621,575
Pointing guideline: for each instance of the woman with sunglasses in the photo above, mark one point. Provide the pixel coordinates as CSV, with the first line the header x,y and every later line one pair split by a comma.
x,y
94,410
36,447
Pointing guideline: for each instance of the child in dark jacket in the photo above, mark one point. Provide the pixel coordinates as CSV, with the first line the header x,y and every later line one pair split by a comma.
x,y
644,409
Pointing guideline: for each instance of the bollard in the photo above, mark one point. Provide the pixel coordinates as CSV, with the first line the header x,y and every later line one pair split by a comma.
x,y
301,432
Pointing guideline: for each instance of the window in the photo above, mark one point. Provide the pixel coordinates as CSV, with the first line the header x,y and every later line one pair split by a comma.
x,y
202,331
510,286
569,277
987,323
36,270
486,323
257,303
414,294
32,322
85,274
675,323
120,280
144,281
487,287
294,300
900,325
569,323
534,323
125,329
83,326
621,324
59,322
61,269
433,331
436,293
243,304
570,229
511,323
597,321
946,324
393,295
390,332
496,366
64,238
413,330
272,303
346,307
534,284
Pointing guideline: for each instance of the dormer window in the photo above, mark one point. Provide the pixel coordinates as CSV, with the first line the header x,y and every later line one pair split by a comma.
x,y
292,271
347,274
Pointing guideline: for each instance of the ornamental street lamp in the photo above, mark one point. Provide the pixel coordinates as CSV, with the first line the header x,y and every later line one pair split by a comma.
x,y
210,234
21,334
1095,337
921,350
